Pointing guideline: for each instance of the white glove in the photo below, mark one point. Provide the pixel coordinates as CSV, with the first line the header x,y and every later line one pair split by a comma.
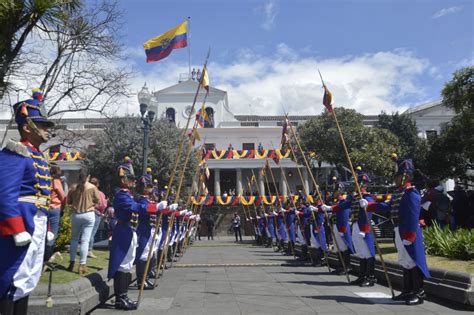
x,y
22,238
174,207
326,208
162,205
190,213
275,213
406,242
50,236
363,203
362,234
341,234
312,208
192,217
198,218
183,212
247,219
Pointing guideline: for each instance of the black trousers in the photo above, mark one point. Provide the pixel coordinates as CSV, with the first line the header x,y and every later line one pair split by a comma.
x,y
237,232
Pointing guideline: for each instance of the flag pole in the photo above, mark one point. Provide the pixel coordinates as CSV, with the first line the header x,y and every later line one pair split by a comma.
x,y
189,47
170,182
359,192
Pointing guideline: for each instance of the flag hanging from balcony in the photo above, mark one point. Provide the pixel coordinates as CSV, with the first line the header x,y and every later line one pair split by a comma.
x,y
161,46
327,98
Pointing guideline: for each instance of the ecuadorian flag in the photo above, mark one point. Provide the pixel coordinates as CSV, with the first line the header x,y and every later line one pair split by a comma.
x,y
161,46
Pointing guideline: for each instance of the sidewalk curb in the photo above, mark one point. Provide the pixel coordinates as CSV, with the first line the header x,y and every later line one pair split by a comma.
x,y
451,286
77,297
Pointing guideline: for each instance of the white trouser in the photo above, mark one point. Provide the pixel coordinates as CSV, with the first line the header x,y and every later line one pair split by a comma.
x,y
404,259
342,245
127,262
360,246
314,240
301,238
28,274
146,250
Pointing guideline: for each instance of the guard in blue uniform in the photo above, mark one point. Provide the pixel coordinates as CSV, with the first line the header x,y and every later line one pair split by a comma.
x,y
271,220
25,188
124,239
342,230
290,215
318,235
362,233
404,208
146,229
304,215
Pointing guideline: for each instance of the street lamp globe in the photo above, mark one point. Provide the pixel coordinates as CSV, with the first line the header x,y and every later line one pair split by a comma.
x,y
153,110
144,98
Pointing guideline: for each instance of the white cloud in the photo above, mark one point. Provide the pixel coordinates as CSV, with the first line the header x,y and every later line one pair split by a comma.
x,y
445,11
369,83
270,11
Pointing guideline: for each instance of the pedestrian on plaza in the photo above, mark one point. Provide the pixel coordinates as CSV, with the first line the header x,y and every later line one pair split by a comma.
x,y
54,212
24,198
210,228
82,198
99,213
236,223
198,229
460,206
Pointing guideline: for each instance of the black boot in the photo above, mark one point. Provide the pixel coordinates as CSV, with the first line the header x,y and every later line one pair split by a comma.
x,y
407,286
152,269
48,252
362,273
140,267
369,279
6,306
21,306
346,256
122,302
70,268
170,254
304,253
417,294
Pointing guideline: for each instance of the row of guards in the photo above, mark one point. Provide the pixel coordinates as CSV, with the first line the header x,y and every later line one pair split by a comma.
x,y
259,200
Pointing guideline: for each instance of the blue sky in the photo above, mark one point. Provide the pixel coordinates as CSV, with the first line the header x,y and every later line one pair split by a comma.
x,y
375,55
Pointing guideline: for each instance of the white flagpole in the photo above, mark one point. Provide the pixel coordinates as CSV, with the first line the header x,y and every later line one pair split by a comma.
x,y
189,47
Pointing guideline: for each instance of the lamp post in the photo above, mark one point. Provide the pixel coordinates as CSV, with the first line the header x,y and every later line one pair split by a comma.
x,y
145,99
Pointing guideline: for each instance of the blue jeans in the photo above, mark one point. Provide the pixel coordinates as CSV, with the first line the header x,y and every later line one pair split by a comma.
x,y
98,218
54,215
82,225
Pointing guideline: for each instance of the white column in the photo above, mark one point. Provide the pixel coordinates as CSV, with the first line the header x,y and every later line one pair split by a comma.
x,y
261,184
305,180
283,189
217,182
238,186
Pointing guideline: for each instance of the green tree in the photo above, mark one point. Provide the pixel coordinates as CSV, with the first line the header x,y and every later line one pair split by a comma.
x,y
18,19
368,147
124,137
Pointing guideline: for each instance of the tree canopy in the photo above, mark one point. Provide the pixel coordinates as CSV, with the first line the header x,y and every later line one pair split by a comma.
x,y
124,137
368,147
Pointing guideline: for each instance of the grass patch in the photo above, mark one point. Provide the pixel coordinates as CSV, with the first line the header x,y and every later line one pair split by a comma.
x,y
389,252
61,275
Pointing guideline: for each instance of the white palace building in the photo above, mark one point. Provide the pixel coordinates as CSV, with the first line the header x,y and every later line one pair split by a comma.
x,y
241,132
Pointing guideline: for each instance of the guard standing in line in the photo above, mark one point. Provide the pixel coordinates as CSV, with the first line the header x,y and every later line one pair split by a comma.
x,y
25,191
342,228
282,228
146,229
318,233
362,233
124,239
404,208
305,214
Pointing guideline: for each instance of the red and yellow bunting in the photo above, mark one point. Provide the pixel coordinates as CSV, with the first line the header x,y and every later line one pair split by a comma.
x,y
65,156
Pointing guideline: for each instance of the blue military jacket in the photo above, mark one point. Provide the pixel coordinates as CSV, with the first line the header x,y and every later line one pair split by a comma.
x,y
342,211
24,178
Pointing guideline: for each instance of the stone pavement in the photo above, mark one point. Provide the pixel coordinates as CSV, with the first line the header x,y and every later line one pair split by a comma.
x,y
222,277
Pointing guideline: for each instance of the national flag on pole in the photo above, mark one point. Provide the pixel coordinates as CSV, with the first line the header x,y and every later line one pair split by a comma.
x,y
327,98
205,79
285,138
202,117
160,47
